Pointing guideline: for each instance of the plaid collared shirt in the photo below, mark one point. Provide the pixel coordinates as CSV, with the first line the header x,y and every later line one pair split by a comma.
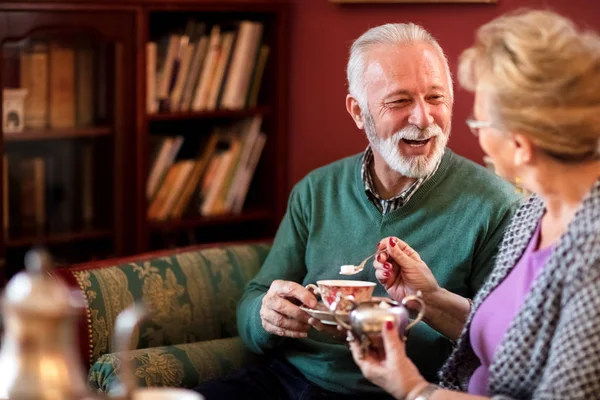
x,y
389,205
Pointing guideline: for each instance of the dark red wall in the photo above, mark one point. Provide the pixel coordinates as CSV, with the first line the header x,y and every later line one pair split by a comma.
x,y
320,129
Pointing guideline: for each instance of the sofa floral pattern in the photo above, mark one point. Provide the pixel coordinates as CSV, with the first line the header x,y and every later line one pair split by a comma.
x,y
191,334
185,365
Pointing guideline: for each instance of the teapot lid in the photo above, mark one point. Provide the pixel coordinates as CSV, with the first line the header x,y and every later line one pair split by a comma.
x,y
35,291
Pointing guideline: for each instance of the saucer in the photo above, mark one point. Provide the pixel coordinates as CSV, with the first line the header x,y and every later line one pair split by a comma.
x,y
323,314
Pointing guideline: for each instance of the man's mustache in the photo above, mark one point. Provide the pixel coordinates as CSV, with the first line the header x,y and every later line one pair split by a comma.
x,y
413,132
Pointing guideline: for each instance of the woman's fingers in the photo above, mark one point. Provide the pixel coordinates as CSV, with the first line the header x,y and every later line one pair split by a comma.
x,y
386,273
381,278
356,353
390,242
401,258
393,345
396,246
380,272
365,361
382,267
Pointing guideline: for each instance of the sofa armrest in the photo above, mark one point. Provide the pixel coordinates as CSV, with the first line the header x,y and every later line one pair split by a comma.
x,y
184,365
193,295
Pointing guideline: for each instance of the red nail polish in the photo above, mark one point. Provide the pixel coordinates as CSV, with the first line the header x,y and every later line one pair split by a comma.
x,y
392,242
379,257
387,266
389,325
379,246
386,274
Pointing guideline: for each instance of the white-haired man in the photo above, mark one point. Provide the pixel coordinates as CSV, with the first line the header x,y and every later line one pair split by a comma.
x,y
405,184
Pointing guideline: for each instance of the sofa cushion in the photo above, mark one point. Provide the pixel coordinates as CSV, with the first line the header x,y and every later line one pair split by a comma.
x,y
185,365
192,295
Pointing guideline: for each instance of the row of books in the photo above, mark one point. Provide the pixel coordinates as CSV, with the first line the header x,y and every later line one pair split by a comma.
x,y
214,182
204,70
49,192
59,79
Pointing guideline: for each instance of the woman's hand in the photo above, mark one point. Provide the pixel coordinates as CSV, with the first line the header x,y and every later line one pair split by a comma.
x,y
389,369
401,271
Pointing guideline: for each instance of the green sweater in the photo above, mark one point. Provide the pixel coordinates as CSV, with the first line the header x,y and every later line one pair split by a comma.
x,y
454,221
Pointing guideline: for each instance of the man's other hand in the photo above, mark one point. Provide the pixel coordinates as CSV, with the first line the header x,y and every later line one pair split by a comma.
x,y
281,315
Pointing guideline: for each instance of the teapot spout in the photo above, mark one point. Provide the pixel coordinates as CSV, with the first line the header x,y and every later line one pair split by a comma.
x,y
125,325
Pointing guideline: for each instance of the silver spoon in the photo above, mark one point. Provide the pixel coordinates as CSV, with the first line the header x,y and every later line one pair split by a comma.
x,y
355,269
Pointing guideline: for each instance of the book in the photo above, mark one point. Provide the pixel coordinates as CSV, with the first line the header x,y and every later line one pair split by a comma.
x,y
5,195
243,60
62,86
249,136
200,166
195,70
84,85
186,61
175,187
34,77
151,90
257,77
200,100
218,79
167,75
248,174
163,162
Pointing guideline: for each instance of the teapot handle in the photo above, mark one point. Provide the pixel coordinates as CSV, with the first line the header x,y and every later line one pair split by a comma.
x,y
334,309
125,324
419,299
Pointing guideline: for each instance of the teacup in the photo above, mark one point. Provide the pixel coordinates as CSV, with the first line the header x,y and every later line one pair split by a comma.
x,y
329,289
165,393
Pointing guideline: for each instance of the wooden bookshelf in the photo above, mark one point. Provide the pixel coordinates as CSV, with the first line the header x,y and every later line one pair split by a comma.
x,y
217,114
227,219
66,167
119,137
55,134
58,238
266,200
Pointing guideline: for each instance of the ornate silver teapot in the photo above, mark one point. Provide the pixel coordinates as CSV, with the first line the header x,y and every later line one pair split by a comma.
x,y
364,320
39,355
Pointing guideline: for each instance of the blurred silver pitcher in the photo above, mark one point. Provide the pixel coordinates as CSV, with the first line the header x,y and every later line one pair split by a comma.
x,y
39,358
366,318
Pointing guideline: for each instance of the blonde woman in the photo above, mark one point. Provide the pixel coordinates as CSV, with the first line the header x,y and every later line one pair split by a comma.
x,y
533,330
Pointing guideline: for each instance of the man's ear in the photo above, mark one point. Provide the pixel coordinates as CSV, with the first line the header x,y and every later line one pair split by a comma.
x,y
354,110
524,149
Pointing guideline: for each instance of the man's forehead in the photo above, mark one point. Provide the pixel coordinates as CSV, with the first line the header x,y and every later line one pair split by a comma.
x,y
404,65
404,53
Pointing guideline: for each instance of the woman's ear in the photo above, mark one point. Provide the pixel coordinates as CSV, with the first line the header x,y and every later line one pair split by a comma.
x,y
354,110
524,149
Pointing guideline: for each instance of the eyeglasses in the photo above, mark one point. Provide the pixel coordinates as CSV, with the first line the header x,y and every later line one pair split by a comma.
x,y
475,125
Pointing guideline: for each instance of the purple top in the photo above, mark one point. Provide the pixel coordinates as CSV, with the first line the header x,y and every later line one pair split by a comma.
x,y
495,314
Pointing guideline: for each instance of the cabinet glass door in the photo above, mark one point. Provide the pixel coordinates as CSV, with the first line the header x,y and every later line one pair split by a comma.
x,y
63,140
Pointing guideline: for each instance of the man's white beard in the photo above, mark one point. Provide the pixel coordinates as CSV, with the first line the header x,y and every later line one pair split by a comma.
x,y
409,166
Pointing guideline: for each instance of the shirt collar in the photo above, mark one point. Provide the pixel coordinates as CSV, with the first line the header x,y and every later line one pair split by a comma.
x,y
370,187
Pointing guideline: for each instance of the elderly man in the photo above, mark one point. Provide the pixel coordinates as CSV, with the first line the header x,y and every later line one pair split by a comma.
x,y
405,184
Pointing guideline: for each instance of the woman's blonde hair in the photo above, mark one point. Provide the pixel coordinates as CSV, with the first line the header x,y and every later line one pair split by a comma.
x,y
543,76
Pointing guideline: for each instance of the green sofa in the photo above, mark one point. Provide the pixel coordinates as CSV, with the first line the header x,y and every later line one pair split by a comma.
x,y
190,336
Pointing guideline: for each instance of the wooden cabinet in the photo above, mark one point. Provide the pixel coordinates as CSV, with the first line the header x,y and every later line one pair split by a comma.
x,y
93,93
